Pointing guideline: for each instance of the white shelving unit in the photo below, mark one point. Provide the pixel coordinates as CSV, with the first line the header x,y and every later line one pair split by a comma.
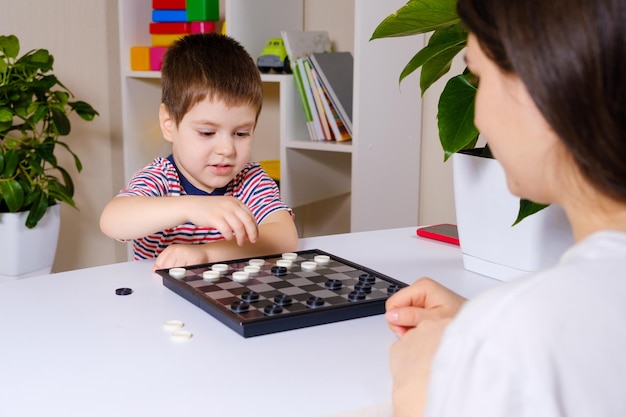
x,y
379,167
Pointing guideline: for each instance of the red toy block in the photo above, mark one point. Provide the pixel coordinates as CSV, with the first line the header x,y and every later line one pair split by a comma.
x,y
169,4
203,10
156,57
169,28
202,27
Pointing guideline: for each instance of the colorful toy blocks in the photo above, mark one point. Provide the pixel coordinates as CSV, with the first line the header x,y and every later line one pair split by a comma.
x,y
171,20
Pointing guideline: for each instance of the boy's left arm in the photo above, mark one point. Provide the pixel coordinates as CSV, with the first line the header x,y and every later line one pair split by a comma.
x,y
277,234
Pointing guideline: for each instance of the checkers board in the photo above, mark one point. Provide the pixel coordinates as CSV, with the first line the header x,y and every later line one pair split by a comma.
x,y
279,298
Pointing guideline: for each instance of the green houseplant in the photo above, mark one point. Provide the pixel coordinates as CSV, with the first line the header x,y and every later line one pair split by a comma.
x,y
34,110
455,113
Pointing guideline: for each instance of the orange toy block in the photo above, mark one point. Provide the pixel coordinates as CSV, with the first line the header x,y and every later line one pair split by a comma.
x,y
140,58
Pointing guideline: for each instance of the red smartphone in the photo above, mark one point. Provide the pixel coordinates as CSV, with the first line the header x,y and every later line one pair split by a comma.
x,y
444,232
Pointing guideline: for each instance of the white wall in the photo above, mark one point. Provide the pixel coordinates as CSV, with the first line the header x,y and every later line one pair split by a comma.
x,y
82,37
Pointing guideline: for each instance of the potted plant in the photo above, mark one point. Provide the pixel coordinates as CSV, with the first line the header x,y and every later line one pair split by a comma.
x,y
34,110
459,137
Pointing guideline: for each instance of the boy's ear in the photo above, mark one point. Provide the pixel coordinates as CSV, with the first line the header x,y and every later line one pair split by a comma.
x,y
166,122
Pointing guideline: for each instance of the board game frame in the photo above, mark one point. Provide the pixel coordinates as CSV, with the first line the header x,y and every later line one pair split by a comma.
x,y
287,321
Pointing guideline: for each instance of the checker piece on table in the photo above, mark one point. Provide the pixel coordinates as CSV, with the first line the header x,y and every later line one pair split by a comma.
x,y
282,292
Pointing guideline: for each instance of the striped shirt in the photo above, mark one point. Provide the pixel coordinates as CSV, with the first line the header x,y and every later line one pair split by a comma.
x,y
161,178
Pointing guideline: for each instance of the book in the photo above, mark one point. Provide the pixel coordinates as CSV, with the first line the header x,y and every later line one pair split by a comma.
x,y
308,117
317,98
340,133
315,131
301,44
336,72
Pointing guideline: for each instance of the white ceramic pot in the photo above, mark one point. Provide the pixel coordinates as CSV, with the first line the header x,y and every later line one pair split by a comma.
x,y
485,212
28,252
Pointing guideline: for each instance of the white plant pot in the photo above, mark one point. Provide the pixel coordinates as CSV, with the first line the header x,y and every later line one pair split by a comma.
x,y
485,212
28,252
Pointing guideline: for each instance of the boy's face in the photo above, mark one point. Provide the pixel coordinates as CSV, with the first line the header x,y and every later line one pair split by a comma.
x,y
212,142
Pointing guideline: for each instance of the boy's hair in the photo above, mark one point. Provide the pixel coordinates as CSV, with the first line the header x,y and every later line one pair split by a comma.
x,y
209,65
571,56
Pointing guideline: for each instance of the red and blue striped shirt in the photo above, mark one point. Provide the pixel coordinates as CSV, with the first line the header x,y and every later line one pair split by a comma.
x,y
161,178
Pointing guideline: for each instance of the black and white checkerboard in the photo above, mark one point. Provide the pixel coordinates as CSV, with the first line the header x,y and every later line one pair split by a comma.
x,y
277,299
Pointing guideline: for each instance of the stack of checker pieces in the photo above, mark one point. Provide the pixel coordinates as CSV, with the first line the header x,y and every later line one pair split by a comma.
x,y
280,298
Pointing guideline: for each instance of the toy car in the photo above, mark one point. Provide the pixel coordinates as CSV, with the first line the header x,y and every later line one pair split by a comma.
x,y
274,57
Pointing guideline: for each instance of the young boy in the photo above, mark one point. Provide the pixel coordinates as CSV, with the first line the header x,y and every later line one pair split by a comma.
x,y
206,202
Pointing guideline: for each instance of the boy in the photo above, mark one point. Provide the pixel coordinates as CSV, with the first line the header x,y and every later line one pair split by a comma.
x,y
206,202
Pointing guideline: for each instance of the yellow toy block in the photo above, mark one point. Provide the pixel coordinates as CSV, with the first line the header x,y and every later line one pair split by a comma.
x,y
165,40
272,168
140,58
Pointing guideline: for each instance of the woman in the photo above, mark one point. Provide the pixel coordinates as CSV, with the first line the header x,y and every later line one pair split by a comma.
x,y
551,103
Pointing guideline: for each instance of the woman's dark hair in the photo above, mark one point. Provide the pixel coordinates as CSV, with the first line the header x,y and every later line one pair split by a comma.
x,y
571,56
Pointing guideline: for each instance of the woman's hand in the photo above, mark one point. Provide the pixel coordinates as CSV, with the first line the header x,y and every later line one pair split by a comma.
x,y
411,357
425,299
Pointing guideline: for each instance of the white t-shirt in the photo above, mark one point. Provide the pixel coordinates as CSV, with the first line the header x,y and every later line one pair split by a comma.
x,y
549,344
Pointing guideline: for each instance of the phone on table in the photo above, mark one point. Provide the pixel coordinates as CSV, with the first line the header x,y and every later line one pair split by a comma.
x,y
444,232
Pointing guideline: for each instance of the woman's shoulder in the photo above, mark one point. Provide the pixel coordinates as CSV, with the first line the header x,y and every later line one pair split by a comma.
x,y
590,275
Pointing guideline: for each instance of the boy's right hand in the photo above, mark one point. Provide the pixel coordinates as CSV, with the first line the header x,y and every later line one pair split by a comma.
x,y
229,215
425,299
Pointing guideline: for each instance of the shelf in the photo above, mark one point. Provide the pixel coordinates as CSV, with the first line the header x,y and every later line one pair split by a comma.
x,y
330,146
378,171
266,78
143,74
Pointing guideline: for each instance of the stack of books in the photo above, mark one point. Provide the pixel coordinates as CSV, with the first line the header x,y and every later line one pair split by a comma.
x,y
325,83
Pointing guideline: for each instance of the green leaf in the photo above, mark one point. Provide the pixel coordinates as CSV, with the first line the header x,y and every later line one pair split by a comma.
x,y
12,194
6,115
59,192
67,179
527,208
84,110
418,16
45,151
9,46
436,57
61,122
38,210
455,117
11,161
77,163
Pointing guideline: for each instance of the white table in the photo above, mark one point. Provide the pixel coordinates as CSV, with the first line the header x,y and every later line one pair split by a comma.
x,y
71,347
